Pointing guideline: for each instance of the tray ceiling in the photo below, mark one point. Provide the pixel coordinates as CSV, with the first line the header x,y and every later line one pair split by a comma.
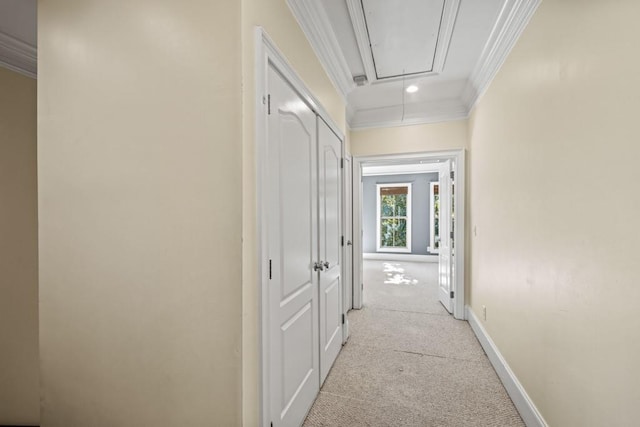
x,y
448,49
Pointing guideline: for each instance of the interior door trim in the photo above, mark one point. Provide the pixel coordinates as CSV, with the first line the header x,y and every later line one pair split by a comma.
x,y
459,161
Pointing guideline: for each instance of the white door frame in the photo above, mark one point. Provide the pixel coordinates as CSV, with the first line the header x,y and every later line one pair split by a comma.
x,y
347,248
357,266
458,157
267,53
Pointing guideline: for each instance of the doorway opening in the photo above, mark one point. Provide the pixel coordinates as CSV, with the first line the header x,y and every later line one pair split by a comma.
x,y
411,207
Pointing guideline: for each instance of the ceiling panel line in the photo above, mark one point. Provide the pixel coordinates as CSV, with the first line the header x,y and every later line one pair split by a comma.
x,y
445,33
362,30
403,36
356,13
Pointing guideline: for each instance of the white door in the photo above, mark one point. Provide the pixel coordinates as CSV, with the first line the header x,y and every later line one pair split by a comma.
x,y
329,187
444,225
347,277
293,352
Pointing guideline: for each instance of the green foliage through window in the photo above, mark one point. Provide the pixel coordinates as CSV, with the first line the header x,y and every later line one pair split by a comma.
x,y
393,216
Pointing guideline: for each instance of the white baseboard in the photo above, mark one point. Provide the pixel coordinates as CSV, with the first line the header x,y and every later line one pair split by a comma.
x,y
401,257
528,411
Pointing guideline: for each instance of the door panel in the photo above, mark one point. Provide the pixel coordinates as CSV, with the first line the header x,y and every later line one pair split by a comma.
x,y
293,247
444,264
332,314
298,145
329,187
297,333
330,200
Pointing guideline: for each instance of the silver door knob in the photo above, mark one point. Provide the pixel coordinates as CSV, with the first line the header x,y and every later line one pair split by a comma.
x,y
349,243
326,264
317,266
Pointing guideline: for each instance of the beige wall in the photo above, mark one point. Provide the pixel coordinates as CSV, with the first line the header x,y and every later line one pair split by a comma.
x,y
139,115
555,200
278,21
409,139
19,396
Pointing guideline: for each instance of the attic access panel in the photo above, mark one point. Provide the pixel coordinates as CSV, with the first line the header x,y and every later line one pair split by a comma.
x,y
405,35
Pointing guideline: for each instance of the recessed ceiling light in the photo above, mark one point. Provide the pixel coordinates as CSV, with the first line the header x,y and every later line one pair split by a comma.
x,y
412,89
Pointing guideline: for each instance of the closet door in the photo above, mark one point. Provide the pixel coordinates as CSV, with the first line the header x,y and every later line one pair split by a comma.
x,y
293,351
330,216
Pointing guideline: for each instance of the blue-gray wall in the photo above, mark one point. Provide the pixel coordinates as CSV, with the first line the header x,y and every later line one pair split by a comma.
x,y
420,209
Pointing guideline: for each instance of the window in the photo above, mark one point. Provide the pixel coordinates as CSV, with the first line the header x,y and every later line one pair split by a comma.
x,y
434,229
394,217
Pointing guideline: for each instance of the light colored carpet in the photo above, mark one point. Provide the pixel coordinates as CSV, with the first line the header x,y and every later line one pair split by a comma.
x,y
408,363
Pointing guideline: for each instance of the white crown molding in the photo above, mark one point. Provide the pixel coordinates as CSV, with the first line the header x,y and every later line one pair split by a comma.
x,y
414,114
18,56
315,24
447,25
312,18
362,38
523,403
512,20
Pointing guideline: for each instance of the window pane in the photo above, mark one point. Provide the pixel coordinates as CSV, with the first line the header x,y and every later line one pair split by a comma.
x,y
393,233
393,205
387,205
401,204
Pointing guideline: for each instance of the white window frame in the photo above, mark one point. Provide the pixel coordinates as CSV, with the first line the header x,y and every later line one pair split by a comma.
x,y
406,249
432,219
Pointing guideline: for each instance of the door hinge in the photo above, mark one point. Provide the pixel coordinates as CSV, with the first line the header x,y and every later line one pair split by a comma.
x,y
451,234
453,174
341,240
342,163
269,104
343,319
271,424
270,271
451,294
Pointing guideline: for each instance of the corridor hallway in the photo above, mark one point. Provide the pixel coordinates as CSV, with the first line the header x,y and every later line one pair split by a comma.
x,y
408,362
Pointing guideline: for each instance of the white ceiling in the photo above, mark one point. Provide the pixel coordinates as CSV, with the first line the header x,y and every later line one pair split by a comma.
x,y
18,35
449,49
